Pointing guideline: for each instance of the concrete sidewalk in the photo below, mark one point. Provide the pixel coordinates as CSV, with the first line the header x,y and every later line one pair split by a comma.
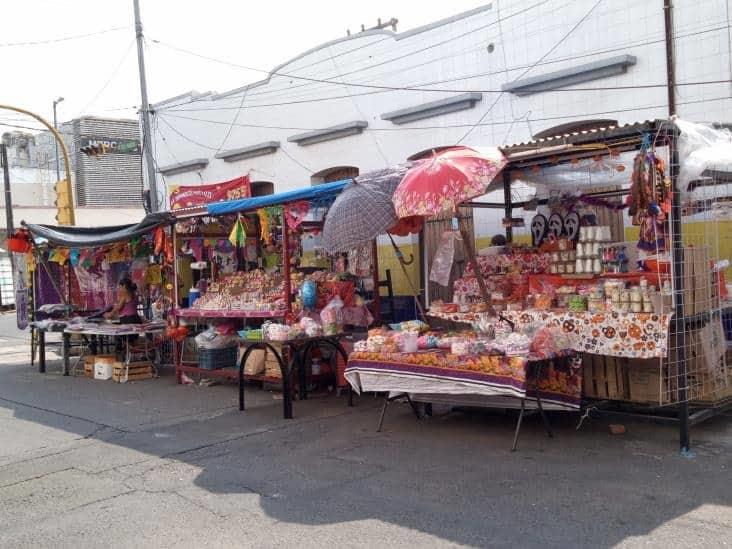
x,y
86,463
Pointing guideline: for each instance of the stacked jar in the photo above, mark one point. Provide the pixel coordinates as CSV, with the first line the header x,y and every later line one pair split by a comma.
x,y
563,260
588,249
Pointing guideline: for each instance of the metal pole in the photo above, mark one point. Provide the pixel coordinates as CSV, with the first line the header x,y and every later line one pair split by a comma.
x,y
145,110
507,206
8,196
670,63
678,321
286,265
55,143
64,151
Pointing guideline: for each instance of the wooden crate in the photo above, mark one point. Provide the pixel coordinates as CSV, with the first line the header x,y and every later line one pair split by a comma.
x,y
89,366
136,372
605,377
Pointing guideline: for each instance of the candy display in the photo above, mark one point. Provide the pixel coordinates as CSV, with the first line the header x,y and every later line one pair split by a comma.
x,y
246,291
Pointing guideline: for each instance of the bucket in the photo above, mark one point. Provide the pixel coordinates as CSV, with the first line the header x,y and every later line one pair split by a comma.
x,y
409,342
193,295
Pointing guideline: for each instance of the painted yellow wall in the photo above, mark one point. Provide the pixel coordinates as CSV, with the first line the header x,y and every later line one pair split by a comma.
x,y
388,260
714,234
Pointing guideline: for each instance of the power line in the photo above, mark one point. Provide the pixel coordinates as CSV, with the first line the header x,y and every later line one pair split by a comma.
x,y
109,80
450,126
62,39
528,70
476,90
193,141
420,87
409,54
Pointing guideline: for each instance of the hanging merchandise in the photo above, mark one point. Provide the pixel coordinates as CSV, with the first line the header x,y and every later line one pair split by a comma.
x,y
264,227
159,240
19,242
153,275
360,261
59,255
119,253
295,213
238,234
539,229
649,201
74,257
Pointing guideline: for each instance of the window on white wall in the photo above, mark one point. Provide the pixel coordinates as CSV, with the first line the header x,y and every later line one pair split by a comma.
x,y
262,188
336,173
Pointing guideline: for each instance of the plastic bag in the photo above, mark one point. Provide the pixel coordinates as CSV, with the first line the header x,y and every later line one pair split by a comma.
x,y
444,257
210,339
332,316
702,147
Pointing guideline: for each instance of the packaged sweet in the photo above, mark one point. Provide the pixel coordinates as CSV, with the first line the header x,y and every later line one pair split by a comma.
x,y
427,342
544,341
577,303
332,316
543,302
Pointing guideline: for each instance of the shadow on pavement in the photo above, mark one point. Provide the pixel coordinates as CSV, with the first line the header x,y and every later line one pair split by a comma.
x,y
451,476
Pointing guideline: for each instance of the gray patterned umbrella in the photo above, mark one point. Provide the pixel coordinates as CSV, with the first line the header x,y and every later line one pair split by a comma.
x,y
363,211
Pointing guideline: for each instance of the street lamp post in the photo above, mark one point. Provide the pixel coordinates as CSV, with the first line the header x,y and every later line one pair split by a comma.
x,y
55,126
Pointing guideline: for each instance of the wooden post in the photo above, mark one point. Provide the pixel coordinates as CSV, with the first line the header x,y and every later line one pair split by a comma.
x,y
470,251
375,267
286,264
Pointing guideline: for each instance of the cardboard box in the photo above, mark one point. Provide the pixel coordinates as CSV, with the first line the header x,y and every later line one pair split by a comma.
x,y
702,280
649,382
256,362
102,370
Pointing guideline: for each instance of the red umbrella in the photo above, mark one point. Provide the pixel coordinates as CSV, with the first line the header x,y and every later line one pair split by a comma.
x,y
446,179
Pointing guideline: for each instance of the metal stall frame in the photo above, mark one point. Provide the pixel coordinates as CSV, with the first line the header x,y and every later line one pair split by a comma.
x,y
563,149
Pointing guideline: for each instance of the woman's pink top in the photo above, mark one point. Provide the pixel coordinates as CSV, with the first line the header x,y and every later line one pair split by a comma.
x,y
129,308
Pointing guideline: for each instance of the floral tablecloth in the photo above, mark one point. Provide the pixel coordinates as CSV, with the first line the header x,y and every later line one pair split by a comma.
x,y
611,333
440,372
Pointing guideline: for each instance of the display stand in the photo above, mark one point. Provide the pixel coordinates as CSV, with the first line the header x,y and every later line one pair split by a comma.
x,y
299,352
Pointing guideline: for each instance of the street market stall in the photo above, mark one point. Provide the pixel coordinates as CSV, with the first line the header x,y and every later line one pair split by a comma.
x,y
643,318
74,273
264,298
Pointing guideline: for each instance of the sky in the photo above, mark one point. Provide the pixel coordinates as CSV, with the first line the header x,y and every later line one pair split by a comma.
x,y
85,51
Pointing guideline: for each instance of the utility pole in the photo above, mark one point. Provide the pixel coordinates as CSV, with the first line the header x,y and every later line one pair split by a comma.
x,y
668,21
146,135
8,196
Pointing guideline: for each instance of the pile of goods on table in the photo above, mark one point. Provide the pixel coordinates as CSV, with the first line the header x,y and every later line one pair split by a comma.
x,y
253,290
491,350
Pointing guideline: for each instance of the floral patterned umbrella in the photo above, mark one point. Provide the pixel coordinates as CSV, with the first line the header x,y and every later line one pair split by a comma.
x,y
443,181
446,179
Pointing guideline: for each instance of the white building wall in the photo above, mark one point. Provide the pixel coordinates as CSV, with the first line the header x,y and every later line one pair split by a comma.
x,y
453,55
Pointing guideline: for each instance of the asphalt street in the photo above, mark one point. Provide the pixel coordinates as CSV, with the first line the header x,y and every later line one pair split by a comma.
x,y
87,463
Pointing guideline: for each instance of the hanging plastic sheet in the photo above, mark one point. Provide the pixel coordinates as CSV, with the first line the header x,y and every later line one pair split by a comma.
x,y
703,149
444,257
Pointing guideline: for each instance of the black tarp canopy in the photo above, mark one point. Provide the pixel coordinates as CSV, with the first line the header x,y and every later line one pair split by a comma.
x,y
87,237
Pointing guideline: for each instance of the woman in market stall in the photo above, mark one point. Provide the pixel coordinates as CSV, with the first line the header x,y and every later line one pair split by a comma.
x,y
127,302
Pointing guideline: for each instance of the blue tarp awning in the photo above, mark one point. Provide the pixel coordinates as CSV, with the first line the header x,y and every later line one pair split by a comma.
x,y
314,193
